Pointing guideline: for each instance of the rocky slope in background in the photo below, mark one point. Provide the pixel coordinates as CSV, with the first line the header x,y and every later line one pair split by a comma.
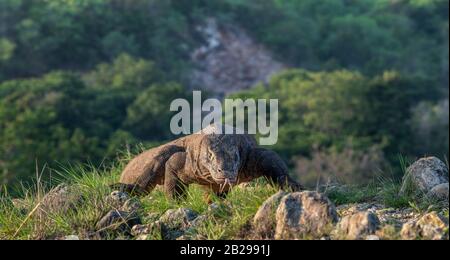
x,y
230,60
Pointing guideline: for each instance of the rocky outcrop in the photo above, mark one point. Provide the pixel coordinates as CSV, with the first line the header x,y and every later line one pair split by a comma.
x,y
431,226
386,215
310,215
358,226
264,221
117,222
122,217
149,231
172,225
424,175
178,218
439,192
305,215
230,60
71,238
117,199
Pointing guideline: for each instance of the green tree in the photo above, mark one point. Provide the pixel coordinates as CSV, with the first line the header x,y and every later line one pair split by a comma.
x,y
42,120
335,109
148,118
126,73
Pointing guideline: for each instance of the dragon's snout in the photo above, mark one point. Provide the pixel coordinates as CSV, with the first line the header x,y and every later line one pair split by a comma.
x,y
227,180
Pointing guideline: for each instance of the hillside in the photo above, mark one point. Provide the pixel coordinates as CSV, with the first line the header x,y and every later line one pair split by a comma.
x,y
358,82
84,207
361,88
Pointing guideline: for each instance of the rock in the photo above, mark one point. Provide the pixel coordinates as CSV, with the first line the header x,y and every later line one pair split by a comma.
x,y
191,237
358,226
139,230
372,238
151,217
199,221
176,222
71,237
389,232
424,175
387,216
170,226
439,192
117,199
350,209
132,205
155,229
264,221
305,215
431,226
143,237
117,221
217,209
60,200
178,218
409,231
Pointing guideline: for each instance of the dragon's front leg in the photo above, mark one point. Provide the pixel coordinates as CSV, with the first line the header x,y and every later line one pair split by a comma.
x,y
266,163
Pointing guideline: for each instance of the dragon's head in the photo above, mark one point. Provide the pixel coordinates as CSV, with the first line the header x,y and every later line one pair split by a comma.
x,y
221,157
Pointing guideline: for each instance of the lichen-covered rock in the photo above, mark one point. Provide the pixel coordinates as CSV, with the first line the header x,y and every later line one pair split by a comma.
x,y
424,175
264,221
358,226
139,230
176,222
117,221
178,218
143,237
151,217
71,238
431,226
156,229
217,209
191,237
305,215
389,232
132,205
373,238
117,199
439,192
199,221
61,199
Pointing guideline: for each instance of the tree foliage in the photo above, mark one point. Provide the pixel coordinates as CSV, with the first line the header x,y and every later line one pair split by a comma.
x,y
82,79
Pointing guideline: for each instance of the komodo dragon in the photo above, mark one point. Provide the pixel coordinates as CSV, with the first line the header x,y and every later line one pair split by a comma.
x,y
214,161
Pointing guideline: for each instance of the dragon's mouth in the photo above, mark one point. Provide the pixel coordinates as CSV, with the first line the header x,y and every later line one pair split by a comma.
x,y
231,181
226,183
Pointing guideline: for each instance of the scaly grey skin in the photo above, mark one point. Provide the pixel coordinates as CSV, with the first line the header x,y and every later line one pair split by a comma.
x,y
216,162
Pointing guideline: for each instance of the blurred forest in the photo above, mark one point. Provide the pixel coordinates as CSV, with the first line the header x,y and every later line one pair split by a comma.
x,y
364,81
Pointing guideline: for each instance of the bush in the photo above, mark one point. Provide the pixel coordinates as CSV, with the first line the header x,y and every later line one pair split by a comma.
x,y
349,166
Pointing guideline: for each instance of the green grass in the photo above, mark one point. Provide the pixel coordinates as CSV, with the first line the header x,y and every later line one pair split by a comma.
x,y
93,184
385,192
16,223
230,221
352,194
